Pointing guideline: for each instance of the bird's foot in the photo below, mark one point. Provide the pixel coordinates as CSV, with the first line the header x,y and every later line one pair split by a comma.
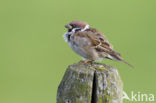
x,y
86,62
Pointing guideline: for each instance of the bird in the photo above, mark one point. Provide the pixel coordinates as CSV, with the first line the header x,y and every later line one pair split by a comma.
x,y
89,43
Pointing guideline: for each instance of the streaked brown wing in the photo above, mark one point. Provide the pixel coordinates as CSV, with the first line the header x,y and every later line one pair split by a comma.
x,y
100,37
99,42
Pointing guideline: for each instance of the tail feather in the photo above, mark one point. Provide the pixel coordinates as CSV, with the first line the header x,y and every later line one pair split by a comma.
x,y
117,57
127,63
113,55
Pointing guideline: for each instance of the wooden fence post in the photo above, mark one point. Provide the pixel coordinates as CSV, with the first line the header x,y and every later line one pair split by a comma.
x,y
90,83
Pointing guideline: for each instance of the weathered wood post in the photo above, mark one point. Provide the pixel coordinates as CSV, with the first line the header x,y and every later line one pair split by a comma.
x,y
90,83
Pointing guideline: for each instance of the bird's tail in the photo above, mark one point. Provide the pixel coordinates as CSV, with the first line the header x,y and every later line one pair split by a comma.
x,y
116,56
127,63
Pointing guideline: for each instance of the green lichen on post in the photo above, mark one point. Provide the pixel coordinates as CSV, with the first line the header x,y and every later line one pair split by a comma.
x,y
90,83
76,85
109,85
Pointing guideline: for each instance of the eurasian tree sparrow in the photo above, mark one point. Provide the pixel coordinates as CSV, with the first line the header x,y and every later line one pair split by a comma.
x,y
89,43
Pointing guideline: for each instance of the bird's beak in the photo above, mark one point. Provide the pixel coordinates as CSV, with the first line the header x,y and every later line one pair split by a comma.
x,y
68,26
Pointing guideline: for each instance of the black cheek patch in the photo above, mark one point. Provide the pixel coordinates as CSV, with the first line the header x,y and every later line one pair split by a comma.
x,y
78,29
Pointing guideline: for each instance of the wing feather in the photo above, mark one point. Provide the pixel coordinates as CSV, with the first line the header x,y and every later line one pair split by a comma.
x,y
99,42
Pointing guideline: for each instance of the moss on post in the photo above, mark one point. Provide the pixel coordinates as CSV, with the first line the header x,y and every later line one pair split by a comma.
x,y
90,83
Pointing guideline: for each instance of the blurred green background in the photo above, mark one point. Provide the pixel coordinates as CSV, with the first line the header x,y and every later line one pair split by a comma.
x,y
34,56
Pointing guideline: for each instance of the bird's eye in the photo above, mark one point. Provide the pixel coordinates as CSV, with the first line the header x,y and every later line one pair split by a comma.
x,y
73,26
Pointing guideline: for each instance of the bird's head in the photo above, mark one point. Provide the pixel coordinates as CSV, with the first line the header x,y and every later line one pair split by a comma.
x,y
77,26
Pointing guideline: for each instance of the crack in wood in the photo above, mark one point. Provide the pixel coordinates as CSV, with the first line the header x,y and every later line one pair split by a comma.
x,y
94,89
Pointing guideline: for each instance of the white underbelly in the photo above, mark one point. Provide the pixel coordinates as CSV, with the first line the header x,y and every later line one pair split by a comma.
x,y
84,51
